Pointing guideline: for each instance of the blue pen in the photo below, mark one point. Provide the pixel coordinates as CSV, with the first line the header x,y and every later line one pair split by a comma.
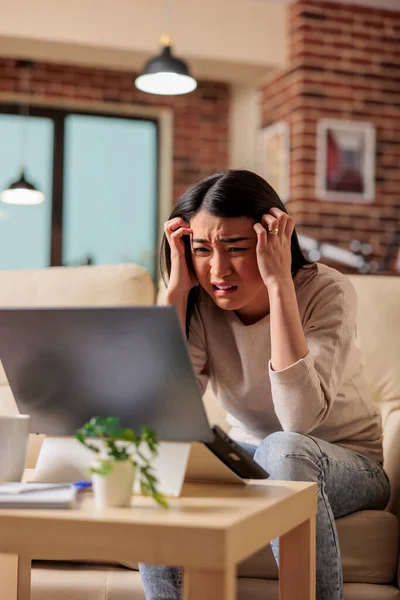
x,y
82,485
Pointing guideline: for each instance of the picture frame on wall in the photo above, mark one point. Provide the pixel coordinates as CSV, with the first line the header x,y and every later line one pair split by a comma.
x,y
345,168
274,157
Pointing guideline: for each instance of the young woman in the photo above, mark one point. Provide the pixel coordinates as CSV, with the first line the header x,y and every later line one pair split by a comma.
x,y
274,335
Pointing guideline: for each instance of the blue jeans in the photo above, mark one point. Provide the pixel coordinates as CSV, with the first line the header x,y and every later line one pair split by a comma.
x,y
347,482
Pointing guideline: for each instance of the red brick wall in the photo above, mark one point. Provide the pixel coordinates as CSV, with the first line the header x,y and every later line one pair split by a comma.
x,y
200,118
344,63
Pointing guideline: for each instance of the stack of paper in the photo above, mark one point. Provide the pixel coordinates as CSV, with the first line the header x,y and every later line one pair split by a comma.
x,y
37,495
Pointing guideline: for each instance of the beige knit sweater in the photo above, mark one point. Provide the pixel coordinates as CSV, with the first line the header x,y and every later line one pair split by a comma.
x,y
323,394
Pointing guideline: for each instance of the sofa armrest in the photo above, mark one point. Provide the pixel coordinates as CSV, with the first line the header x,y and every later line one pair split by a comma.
x,y
391,452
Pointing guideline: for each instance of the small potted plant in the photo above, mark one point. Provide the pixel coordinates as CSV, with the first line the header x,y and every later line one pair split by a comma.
x,y
121,456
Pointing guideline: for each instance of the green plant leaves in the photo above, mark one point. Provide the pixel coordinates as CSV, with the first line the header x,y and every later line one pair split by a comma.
x,y
104,469
122,444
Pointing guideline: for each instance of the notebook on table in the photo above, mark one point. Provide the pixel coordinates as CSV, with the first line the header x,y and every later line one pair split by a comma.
x,y
37,495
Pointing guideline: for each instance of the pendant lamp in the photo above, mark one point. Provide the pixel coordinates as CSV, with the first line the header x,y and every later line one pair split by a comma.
x,y
166,74
22,191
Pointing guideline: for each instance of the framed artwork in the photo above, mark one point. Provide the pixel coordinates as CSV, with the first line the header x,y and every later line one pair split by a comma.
x,y
345,169
274,158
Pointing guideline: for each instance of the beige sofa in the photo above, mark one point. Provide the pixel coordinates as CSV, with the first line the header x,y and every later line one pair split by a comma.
x,y
369,539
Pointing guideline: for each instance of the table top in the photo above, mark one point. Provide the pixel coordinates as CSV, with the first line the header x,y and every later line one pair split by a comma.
x,y
229,522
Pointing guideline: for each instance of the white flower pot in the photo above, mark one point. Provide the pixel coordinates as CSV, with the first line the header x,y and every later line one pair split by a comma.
x,y
116,488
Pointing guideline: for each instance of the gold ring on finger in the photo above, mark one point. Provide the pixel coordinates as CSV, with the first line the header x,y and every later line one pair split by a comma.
x,y
273,231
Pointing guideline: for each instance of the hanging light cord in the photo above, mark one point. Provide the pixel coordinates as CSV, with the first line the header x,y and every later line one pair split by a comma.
x,y
166,38
25,88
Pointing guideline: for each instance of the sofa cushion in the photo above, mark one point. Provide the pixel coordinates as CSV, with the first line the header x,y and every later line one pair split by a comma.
x,y
369,542
261,589
378,325
370,545
378,333
100,285
73,582
69,581
391,452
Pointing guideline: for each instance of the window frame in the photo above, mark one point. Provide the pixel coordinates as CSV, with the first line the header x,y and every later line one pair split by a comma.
x,y
58,115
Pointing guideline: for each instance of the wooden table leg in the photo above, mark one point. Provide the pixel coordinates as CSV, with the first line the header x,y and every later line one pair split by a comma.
x,y
15,577
24,578
297,563
201,584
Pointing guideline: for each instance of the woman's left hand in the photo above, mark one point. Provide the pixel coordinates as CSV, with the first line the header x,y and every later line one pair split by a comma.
x,y
274,256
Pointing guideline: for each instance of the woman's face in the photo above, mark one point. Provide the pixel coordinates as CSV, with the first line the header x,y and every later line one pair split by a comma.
x,y
225,262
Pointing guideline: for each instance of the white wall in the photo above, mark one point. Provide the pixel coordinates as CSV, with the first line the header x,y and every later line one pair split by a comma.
x,y
244,123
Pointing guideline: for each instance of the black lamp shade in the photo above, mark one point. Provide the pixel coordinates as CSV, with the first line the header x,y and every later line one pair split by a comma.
x,y
166,75
22,192
166,63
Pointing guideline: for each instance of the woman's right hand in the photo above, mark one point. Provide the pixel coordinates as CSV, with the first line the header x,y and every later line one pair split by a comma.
x,y
182,277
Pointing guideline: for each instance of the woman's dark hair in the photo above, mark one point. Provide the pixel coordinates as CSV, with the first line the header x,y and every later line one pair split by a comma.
x,y
236,193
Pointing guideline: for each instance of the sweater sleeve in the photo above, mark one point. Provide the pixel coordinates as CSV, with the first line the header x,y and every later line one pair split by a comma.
x,y
198,350
303,393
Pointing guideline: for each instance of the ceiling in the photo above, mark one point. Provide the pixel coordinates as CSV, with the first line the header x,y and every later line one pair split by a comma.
x,y
221,39
123,34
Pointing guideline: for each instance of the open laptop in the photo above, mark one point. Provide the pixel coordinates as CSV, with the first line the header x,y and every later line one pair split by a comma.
x,y
66,365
